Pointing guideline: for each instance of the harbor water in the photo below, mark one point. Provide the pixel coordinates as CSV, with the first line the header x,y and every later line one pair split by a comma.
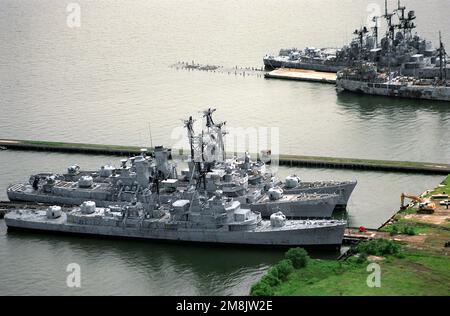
x,y
108,80
36,264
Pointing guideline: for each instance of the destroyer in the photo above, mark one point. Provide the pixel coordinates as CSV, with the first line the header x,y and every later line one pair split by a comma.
x,y
196,219
343,189
366,78
407,53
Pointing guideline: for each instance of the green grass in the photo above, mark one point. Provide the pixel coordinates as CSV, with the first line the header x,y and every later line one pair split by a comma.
x,y
445,188
413,274
406,226
422,226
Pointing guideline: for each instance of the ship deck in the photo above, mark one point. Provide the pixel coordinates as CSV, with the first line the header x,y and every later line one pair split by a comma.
x,y
294,197
302,75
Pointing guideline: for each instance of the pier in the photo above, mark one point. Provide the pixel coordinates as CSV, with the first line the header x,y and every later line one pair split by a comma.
x,y
365,164
96,149
284,160
302,75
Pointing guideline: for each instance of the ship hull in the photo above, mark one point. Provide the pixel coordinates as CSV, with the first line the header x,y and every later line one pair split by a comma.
x,y
271,64
38,197
317,236
437,93
317,208
343,190
313,208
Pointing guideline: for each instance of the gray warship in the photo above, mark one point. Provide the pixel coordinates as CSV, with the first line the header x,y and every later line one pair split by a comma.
x,y
399,49
143,176
217,220
366,78
344,189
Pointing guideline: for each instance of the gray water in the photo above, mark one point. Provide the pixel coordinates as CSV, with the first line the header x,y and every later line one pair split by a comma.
x,y
107,80
87,84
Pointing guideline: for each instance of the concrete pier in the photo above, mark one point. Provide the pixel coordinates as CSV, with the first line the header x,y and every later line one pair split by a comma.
x,y
81,148
365,164
302,75
285,160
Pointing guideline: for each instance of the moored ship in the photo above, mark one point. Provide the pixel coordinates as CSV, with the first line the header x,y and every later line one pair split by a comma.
x,y
399,49
343,189
216,220
366,79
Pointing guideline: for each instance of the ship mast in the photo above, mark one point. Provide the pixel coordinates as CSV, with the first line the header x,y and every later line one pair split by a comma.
x,y
189,124
402,17
375,30
360,33
388,17
406,23
442,59
215,127
389,35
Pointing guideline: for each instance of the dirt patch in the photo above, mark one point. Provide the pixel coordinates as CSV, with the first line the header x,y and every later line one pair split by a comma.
x,y
436,219
416,239
375,258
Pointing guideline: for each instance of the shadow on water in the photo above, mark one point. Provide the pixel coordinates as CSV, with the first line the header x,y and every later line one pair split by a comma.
x,y
224,256
368,106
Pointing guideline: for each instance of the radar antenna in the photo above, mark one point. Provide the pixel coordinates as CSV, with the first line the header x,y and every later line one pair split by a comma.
x,y
208,115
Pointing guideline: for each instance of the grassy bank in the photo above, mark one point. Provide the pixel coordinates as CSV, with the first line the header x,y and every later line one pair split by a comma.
x,y
414,274
405,273
444,187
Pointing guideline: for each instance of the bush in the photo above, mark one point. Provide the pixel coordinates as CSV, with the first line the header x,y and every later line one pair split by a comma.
x,y
361,258
409,230
261,289
393,230
274,272
401,229
298,256
378,247
271,279
284,268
